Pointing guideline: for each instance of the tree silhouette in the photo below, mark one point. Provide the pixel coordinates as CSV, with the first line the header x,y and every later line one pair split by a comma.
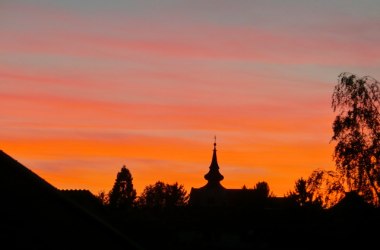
x,y
258,196
122,194
102,197
357,133
303,194
300,194
326,186
176,195
161,195
153,196
262,190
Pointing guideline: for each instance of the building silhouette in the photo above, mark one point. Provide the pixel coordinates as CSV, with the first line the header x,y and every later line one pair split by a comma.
x,y
213,194
36,215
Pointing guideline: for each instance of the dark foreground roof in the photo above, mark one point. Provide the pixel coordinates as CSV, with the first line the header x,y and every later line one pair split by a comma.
x,y
36,215
350,202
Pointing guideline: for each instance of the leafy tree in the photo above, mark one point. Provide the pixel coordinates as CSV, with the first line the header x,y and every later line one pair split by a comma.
x,y
161,195
326,187
300,194
357,133
176,195
262,189
303,194
258,196
122,194
103,198
153,196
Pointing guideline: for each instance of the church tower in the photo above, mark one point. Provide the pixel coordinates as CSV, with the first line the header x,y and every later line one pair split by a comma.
x,y
213,193
214,177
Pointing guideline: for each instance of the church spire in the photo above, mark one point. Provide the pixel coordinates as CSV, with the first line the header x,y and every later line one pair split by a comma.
x,y
214,176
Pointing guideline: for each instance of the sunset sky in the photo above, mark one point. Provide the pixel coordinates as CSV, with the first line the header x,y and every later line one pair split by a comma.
x,y
87,86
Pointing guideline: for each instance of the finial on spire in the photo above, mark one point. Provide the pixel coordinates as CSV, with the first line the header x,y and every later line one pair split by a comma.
x,y
214,176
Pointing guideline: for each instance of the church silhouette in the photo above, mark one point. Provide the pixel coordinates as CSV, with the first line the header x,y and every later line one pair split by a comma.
x,y
213,194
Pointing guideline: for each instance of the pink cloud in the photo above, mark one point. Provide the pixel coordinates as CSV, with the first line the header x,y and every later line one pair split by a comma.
x,y
138,40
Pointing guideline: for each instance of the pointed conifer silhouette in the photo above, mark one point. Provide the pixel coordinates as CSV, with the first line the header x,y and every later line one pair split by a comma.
x,y
122,194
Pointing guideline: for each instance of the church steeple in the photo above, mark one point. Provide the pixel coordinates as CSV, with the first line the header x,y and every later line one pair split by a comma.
x,y
214,176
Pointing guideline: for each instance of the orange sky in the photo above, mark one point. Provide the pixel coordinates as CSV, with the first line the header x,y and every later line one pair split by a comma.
x,y
87,87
